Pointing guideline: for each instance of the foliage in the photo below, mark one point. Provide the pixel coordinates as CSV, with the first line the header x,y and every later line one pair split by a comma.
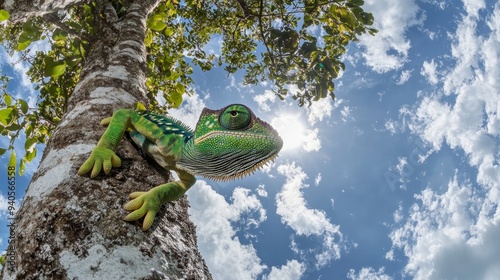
x,y
296,44
303,42
55,74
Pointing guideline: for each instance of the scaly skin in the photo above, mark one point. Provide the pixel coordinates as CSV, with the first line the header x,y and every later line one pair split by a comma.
x,y
228,143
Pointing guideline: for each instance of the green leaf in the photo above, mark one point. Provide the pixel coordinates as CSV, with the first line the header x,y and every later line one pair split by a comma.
x,y
139,107
54,68
30,155
24,106
30,144
157,25
174,98
358,3
12,160
13,127
2,151
168,31
180,88
4,15
22,167
24,41
148,39
8,99
6,116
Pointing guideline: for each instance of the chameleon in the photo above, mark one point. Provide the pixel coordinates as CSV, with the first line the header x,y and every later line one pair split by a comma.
x,y
226,144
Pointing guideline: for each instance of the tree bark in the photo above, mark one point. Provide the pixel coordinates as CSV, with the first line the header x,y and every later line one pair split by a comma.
x,y
70,227
21,10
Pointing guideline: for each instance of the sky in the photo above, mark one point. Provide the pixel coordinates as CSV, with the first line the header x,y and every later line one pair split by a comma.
x,y
398,178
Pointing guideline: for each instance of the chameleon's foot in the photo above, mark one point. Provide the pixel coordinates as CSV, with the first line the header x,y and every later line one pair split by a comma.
x,y
147,204
143,204
100,159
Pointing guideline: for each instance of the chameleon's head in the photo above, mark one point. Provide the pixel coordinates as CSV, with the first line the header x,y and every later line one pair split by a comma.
x,y
230,143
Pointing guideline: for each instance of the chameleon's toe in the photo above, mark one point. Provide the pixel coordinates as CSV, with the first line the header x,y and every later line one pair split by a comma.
x,y
86,167
135,195
144,204
106,121
96,169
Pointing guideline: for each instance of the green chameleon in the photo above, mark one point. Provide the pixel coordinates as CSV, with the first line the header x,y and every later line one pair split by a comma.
x,y
228,143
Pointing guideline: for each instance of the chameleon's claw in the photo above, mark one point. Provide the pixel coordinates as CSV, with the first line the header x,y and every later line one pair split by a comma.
x,y
143,204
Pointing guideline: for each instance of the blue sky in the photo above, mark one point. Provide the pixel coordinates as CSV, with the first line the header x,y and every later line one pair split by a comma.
x,y
398,178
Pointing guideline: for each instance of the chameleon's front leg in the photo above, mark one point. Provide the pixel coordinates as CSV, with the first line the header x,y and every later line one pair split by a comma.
x,y
148,203
103,156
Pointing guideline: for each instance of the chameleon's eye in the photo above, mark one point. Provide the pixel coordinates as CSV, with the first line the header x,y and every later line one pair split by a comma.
x,y
235,117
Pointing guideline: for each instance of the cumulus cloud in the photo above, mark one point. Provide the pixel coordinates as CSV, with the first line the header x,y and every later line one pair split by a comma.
x,y
444,239
320,110
311,140
293,210
346,113
368,273
455,234
264,100
225,255
472,122
429,72
388,49
404,77
292,270
190,110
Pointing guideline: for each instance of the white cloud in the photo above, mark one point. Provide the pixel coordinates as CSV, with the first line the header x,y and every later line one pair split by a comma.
x,y
190,110
244,202
388,49
444,239
317,180
311,140
472,7
268,97
346,113
472,122
368,273
429,72
261,190
293,270
456,234
321,109
292,208
404,77
21,68
223,252
294,133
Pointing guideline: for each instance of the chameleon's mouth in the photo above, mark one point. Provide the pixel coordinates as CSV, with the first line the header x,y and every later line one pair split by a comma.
x,y
227,155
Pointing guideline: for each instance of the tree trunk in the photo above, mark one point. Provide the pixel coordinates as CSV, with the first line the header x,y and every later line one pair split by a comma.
x,y
21,10
70,227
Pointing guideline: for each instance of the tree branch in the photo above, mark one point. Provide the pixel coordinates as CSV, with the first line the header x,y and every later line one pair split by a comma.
x,y
261,29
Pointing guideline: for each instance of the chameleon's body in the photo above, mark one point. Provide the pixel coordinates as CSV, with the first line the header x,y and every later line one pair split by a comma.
x,y
226,144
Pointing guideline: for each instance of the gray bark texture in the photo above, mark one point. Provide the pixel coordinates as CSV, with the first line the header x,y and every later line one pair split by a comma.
x,y
70,227
20,10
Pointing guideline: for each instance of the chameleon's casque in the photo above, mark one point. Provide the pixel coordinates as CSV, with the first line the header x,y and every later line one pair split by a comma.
x,y
226,144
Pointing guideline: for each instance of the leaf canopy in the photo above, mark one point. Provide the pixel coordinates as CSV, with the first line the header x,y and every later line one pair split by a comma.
x,y
297,45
